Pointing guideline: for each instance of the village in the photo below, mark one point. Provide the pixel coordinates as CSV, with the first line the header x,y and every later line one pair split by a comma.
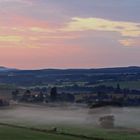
x,y
101,96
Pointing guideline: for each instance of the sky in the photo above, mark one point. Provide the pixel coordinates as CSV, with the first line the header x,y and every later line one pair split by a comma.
x,y
38,34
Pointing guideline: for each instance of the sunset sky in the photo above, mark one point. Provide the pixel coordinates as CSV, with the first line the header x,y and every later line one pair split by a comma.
x,y
38,34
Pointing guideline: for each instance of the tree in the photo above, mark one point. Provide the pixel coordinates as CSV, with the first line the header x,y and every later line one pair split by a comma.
x,y
26,96
53,94
41,97
15,94
118,89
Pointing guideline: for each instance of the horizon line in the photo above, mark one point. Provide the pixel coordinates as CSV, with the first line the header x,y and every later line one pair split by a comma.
x,y
70,68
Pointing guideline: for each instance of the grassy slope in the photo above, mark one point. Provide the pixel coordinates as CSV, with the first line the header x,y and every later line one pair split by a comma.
x,y
101,133
9,133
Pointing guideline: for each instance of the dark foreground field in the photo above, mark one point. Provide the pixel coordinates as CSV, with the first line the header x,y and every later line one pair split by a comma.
x,y
13,133
71,115
35,122
9,133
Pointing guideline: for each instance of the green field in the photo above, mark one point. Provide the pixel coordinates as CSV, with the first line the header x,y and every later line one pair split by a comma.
x,y
123,84
9,133
12,133
36,122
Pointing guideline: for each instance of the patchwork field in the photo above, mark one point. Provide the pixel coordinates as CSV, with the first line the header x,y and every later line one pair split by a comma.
x,y
123,84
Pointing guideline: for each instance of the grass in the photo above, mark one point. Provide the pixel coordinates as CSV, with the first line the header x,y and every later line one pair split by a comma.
x,y
9,133
12,133
7,86
100,133
123,84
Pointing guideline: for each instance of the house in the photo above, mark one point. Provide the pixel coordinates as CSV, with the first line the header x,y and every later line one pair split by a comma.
x,y
4,102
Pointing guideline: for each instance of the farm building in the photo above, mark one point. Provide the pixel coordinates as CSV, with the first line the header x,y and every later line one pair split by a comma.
x,y
3,102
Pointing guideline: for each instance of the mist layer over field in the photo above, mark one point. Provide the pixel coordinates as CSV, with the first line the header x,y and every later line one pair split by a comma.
x,y
78,115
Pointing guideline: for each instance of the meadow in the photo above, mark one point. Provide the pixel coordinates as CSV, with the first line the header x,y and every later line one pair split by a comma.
x,y
9,133
75,120
123,84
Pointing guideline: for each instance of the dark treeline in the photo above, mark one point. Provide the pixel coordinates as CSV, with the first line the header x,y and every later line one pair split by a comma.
x,y
100,94
40,96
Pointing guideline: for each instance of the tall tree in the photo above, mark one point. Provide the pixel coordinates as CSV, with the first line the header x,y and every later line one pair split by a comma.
x,y
53,94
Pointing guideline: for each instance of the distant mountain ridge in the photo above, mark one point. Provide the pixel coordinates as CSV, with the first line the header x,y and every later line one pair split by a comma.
x,y
2,68
61,76
131,69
